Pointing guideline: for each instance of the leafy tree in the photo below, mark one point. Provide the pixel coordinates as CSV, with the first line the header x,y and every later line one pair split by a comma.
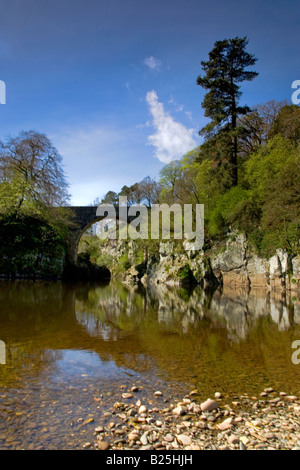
x,y
273,175
110,198
170,176
33,218
287,123
224,71
31,175
132,193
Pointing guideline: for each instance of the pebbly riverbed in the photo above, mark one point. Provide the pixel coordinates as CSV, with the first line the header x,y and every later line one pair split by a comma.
x,y
267,422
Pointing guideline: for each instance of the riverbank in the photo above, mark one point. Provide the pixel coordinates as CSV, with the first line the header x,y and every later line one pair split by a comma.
x,y
268,422
232,262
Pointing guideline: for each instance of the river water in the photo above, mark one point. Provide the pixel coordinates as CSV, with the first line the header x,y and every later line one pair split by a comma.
x,y
72,350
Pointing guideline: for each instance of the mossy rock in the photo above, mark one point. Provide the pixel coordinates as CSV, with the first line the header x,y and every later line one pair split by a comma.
x,y
185,274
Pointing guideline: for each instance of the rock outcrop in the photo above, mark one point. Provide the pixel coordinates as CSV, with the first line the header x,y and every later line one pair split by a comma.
x,y
234,264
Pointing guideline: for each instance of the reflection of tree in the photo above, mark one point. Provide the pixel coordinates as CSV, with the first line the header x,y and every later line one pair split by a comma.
x,y
125,309
180,333
185,333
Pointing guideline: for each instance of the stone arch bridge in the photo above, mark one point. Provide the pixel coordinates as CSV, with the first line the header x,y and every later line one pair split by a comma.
x,y
84,217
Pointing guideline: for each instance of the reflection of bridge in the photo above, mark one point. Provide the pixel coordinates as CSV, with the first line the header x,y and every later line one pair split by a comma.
x,y
85,216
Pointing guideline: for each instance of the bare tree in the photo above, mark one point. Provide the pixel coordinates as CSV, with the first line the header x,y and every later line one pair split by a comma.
x,y
258,126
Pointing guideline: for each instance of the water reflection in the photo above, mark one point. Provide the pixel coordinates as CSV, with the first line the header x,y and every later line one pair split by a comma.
x,y
67,344
110,312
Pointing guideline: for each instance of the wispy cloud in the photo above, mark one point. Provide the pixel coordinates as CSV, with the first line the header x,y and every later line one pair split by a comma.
x,y
153,63
171,138
179,108
189,114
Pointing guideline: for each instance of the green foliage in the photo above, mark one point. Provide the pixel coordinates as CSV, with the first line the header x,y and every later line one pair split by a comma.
x,y
124,262
86,270
265,204
30,247
33,223
185,275
274,174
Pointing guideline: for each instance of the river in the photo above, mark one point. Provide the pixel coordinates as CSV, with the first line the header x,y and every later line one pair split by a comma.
x,y
72,350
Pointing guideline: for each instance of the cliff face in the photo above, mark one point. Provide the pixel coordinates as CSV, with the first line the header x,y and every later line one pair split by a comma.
x,y
238,264
234,264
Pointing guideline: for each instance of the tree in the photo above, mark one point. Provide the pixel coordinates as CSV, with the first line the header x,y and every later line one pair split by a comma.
x,y
259,126
170,176
146,191
224,71
110,198
150,190
287,123
31,175
132,193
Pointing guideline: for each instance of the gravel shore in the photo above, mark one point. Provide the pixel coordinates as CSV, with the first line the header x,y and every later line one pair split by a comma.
x,y
267,422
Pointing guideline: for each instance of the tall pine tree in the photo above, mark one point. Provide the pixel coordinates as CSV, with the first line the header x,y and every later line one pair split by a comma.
x,y
224,71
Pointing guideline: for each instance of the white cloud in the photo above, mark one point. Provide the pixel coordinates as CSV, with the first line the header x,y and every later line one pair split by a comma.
x,y
171,138
179,108
189,114
152,63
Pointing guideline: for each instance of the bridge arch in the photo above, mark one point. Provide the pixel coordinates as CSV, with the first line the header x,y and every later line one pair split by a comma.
x,y
85,217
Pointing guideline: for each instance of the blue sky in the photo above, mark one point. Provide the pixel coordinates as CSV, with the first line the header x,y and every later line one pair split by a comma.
x,y
113,82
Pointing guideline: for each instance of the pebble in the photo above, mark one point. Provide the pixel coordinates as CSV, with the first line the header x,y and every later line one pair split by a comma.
x,y
227,424
233,439
103,445
144,440
99,429
87,421
244,440
127,395
270,435
133,436
184,439
179,410
209,405
239,419
87,445
291,398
